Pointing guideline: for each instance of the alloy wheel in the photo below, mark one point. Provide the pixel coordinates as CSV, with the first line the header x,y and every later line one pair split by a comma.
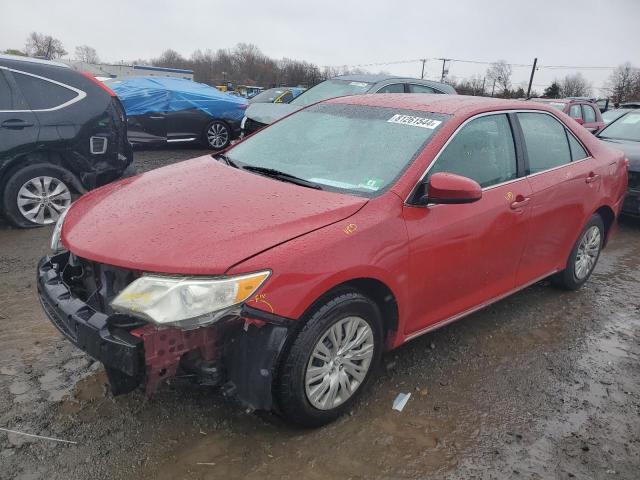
x,y
587,254
217,135
42,200
339,363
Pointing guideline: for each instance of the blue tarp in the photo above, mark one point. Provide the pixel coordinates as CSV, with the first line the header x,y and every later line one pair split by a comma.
x,y
142,95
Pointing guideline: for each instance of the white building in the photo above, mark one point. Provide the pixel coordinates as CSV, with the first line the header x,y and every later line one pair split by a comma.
x,y
106,70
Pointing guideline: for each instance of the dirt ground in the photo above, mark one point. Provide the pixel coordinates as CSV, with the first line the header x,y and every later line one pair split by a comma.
x,y
543,385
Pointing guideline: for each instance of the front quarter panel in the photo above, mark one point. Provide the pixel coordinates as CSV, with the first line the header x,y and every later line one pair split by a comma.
x,y
370,244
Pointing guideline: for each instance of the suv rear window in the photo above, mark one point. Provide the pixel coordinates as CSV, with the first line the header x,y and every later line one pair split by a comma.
x,y
41,94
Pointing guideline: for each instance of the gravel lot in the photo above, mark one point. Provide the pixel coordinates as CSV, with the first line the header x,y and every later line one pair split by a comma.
x,y
542,385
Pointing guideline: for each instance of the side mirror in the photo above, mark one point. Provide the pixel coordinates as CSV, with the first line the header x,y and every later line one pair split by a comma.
x,y
448,188
579,120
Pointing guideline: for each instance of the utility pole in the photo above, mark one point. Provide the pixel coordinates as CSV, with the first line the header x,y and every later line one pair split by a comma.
x,y
493,89
484,79
424,60
533,70
444,63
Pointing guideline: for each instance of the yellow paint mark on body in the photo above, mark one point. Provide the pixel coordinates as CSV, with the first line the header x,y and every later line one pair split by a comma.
x,y
350,228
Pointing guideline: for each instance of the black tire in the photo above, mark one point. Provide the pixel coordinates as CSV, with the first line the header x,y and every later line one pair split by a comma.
x,y
568,278
290,391
222,129
15,182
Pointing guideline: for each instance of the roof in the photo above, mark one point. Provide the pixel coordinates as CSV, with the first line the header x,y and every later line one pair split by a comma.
x,y
162,69
438,103
562,100
19,58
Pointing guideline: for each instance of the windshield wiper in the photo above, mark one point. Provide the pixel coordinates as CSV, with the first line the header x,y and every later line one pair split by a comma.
x,y
280,175
225,159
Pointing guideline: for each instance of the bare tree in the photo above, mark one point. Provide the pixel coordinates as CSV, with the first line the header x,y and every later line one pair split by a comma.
x,y
500,73
87,54
624,83
44,46
574,86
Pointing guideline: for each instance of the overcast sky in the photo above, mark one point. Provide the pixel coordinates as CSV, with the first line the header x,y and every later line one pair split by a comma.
x,y
342,32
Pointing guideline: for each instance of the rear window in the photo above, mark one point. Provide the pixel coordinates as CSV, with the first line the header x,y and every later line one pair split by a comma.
x,y
331,89
42,94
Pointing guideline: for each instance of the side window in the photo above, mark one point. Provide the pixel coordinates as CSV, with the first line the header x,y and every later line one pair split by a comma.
x,y
6,95
588,113
40,94
393,88
545,140
577,152
420,89
575,112
483,150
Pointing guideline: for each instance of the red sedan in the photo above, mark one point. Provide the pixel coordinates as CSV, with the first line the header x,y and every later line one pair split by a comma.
x,y
283,268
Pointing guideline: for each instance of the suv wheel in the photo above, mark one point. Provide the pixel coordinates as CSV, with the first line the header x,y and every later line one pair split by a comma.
x,y
35,196
584,256
330,361
217,136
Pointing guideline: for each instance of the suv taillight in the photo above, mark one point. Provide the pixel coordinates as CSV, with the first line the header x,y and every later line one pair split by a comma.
x,y
99,83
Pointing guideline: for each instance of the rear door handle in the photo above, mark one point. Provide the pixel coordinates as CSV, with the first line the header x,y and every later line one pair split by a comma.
x,y
592,178
156,117
15,124
520,202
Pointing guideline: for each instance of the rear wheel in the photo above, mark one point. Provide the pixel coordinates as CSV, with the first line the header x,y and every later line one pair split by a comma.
x,y
35,196
217,135
584,256
330,361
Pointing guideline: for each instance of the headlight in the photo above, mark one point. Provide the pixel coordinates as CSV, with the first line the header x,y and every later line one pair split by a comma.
x,y
56,240
186,302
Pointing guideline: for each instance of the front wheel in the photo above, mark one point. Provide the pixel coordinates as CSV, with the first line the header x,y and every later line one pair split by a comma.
x,y
217,135
584,256
330,361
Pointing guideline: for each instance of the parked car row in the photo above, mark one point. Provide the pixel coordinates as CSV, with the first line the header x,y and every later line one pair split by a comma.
x,y
261,115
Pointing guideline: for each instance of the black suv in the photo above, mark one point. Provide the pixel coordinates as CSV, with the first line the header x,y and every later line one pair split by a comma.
x,y
61,133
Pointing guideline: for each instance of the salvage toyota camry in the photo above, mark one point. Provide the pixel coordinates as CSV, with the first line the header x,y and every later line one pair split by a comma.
x,y
283,268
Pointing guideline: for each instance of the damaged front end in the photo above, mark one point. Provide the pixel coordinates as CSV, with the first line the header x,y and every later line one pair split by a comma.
x,y
239,352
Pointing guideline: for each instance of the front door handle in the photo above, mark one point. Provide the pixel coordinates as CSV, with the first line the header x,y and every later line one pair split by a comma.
x,y
15,124
520,202
592,177
156,117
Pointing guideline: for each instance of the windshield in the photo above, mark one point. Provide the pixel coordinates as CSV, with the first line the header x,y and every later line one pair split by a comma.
x,y
331,89
268,96
610,115
625,128
347,148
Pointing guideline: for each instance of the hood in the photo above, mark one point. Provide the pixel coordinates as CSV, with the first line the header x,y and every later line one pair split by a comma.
x,y
267,113
631,151
198,217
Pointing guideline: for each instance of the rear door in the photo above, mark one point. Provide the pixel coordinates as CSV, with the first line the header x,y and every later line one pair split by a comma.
x,y
148,128
463,255
18,124
565,183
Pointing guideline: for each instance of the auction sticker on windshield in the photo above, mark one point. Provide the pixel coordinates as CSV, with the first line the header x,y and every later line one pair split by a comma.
x,y
414,121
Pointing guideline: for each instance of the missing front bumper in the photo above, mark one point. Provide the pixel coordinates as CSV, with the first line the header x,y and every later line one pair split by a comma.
x,y
240,352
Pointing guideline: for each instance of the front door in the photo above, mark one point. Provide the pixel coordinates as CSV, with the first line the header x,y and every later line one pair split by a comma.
x,y
462,256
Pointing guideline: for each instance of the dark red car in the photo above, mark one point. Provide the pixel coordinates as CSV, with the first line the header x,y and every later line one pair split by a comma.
x,y
283,269
583,111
